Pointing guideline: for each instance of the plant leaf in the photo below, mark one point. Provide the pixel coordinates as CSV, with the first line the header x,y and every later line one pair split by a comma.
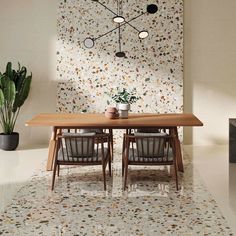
x,y
22,93
1,98
9,70
9,90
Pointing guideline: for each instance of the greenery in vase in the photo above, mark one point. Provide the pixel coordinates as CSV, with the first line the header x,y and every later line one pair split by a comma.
x,y
14,89
125,97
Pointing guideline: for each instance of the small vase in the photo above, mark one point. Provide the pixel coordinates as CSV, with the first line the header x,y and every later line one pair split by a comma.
x,y
111,113
123,110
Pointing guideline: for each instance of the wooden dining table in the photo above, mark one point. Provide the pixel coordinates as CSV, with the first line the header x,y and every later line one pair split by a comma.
x,y
58,121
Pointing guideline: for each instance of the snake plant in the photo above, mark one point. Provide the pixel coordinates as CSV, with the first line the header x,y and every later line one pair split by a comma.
x,y
14,89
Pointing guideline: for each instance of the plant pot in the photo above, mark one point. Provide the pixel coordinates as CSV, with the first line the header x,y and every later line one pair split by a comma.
x,y
123,110
9,142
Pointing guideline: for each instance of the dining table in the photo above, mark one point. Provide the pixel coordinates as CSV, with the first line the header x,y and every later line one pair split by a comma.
x,y
59,121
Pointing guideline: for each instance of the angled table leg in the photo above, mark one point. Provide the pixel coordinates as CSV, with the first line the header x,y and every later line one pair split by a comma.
x,y
51,149
179,158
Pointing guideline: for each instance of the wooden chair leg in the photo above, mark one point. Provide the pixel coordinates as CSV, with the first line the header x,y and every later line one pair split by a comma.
x,y
123,167
126,174
173,145
54,175
58,170
123,153
109,166
104,175
176,175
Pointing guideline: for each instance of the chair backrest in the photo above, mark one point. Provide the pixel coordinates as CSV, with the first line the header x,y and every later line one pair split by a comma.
x,y
148,130
75,147
78,145
83,131
96,131
150,144
150,147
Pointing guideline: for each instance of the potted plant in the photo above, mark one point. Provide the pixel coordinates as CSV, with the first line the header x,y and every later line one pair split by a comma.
x,y
14,89
123,99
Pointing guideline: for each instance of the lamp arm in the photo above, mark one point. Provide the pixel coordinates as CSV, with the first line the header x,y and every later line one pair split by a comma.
x,y
120,25
128,22
119,39
100,36
132,26
105,7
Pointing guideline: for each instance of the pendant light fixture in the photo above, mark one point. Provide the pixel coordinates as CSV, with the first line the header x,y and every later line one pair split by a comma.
x,y
121,21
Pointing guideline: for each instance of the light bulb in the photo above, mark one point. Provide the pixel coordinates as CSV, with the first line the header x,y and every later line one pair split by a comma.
x,y
118,19
143,34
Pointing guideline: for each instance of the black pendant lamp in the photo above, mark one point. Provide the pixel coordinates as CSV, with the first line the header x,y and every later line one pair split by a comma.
x,y
121,21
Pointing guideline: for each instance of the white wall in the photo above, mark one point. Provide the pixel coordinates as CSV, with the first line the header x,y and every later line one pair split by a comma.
x,y
210,68
28,35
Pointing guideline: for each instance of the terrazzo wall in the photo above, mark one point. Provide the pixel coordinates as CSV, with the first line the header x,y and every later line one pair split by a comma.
x,y
154,65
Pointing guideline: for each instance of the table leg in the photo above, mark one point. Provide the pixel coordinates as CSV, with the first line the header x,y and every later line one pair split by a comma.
x,y
51,149
179,158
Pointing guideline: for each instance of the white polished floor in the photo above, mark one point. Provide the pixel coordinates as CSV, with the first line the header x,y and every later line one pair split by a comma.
x,y
210,161
16,167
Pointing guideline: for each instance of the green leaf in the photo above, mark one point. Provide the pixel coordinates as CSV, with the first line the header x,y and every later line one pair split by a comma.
x,y
23,71
9,90
9,70
18,66
23,93
1,76
14,76
20,80
1,98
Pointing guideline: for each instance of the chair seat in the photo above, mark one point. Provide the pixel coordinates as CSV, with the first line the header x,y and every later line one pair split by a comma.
x,y
133,157
96,158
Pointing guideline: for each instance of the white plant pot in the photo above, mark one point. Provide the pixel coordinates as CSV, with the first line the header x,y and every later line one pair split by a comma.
x,y
123,110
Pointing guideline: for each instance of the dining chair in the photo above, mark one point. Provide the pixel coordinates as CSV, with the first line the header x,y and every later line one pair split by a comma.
x,y
96,131
82,149
145,130
148,149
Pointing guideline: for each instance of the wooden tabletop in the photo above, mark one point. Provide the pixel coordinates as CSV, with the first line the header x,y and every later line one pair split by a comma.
x,y
88,120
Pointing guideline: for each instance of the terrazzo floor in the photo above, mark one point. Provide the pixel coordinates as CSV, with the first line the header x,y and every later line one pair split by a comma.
x,y
79,206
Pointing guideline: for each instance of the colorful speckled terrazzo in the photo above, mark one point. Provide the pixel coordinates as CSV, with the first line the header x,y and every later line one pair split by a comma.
x,y
154,66
79,206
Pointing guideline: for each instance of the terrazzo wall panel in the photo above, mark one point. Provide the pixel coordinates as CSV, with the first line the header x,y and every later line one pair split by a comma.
x,y
154,66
